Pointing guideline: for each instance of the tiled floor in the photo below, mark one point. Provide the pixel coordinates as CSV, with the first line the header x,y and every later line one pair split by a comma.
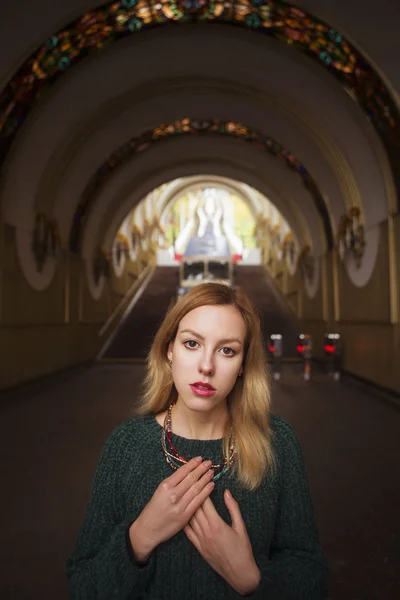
x,y
51,434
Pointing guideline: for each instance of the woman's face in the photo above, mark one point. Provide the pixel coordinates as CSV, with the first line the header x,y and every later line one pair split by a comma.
x,y
207,355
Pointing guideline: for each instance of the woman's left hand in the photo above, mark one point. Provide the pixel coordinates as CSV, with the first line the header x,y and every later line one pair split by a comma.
x,y
227,549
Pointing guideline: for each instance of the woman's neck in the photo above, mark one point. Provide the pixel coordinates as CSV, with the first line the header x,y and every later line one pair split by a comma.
x,y
199,425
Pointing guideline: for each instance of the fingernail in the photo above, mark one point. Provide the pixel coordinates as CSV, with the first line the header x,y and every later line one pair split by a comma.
x,y
199,459
228,494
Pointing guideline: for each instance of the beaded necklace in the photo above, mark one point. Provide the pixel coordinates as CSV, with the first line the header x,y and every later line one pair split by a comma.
x,y
176,460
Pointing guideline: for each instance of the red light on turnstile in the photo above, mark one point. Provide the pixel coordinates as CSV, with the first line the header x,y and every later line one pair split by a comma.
x,y
300,349
329,348
271,348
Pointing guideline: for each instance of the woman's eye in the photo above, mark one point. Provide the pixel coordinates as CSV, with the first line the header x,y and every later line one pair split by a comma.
x,y
228,351
190,344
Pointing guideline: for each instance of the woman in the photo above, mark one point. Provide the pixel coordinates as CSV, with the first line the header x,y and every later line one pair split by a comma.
x,y
203,494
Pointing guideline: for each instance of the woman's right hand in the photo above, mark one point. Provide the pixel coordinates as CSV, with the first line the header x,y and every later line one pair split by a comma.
x,y
171,507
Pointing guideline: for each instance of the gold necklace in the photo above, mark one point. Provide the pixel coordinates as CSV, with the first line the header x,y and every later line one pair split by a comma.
x,y
176,460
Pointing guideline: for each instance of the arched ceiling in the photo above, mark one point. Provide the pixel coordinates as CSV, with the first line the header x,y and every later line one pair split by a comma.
x,y
360,21
178,158
190,128
219,72
279,19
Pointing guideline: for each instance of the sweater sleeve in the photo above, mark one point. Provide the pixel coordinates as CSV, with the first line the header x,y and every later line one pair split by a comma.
x,y
295,568
103,566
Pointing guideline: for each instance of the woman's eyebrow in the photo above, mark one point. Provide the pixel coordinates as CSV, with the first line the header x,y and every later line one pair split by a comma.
x,y
223,341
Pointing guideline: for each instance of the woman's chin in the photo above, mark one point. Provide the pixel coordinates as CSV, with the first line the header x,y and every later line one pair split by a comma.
x,y
199,403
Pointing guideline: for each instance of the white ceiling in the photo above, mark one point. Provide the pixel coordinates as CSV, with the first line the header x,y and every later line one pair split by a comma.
x,y
173,72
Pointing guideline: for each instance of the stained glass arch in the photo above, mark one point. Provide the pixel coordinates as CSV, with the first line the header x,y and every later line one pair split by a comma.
x,y
195,128
278,19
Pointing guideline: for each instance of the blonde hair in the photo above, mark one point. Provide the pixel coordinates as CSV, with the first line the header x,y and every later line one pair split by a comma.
x,y
249,400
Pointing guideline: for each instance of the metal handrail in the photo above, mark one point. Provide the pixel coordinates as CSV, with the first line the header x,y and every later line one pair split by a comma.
x,y
147,272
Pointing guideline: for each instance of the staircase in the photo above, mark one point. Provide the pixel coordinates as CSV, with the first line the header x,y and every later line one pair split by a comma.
x,y
133,339
275,316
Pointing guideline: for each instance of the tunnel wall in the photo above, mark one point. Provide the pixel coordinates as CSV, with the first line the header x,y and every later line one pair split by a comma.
x,y
51,330
363,316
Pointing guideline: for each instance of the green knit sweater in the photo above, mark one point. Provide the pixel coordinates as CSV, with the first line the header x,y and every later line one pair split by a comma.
x,y
278,516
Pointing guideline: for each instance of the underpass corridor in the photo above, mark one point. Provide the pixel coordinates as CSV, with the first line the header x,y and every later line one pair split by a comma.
x,y
146,147
52,432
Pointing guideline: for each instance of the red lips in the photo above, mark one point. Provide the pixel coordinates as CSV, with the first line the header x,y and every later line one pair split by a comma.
x,y
204,385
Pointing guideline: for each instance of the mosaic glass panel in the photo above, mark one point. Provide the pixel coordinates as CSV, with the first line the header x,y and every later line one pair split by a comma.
x,y
118,19
194,127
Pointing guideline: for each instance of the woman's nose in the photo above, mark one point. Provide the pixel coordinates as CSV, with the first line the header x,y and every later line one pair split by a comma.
x,y
206,366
